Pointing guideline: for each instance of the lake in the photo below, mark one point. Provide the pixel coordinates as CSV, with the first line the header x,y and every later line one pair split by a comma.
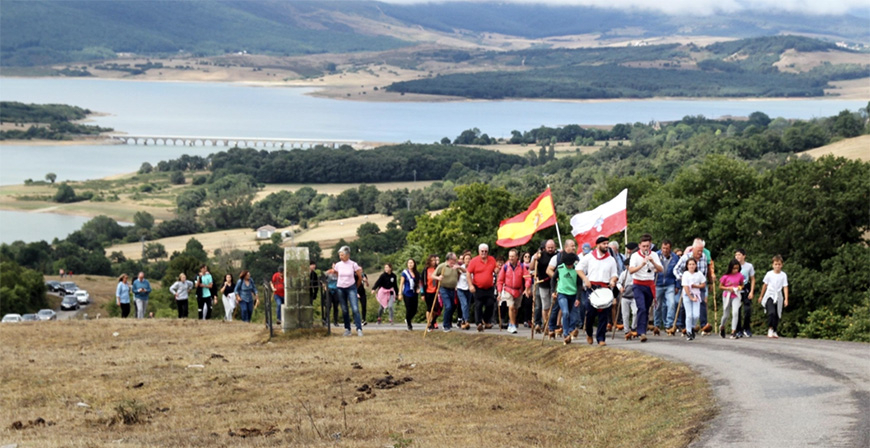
x,y
235,110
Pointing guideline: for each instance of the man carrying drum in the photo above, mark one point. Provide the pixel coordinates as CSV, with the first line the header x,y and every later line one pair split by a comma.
x,y
598,271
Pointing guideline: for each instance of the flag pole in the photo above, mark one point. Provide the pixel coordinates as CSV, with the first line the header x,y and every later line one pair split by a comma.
x,y
558,235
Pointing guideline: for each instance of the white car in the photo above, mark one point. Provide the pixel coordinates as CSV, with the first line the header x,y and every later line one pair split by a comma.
x,y
11,318
46,314
83,297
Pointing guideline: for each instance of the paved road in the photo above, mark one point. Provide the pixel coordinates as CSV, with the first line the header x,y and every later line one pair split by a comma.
x,y
771,393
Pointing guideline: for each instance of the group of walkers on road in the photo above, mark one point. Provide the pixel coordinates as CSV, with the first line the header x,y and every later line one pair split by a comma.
x,y
241,294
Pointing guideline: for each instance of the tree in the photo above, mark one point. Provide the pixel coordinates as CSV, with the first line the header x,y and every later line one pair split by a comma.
x,y
194,249
65,194
366,229
445,141
846,124
22,289
177,178
229,201
759,119
190,199
145,168
154,251
51,177
143,220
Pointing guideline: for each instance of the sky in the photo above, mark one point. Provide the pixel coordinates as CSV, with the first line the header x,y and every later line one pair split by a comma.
x,y
702,6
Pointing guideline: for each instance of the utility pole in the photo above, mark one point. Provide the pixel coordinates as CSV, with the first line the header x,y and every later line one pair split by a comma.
x,y
415,175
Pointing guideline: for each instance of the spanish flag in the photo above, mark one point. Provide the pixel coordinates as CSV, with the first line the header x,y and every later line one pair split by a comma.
x,y
518,230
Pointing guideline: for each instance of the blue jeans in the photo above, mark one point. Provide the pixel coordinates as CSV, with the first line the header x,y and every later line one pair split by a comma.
x,y
693,312
346,295
278,301
577,311
247,309
566,304
447,297
666,306
464,299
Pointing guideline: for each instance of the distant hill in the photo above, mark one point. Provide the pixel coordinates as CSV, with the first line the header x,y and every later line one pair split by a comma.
x,y
41,32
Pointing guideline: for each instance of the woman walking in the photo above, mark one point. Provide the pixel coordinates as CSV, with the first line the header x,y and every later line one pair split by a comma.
x,y
349,275
386,289
462,292
228,296
731,283
408,285
122,296
692,281
430,292
181,290
246,295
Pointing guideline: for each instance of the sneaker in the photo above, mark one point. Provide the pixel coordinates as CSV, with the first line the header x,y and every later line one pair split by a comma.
x,y
487,326
775,336
365,323
690,336
602,343
589,339
537,328
770,332
575,332
747,334
359,333
446,330
708,328
512,329
733,336
722,331
347,332
410,328
391,321
379,321
429,330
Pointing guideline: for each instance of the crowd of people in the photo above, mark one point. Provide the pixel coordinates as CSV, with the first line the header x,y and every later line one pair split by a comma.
x,y
559,293
555,292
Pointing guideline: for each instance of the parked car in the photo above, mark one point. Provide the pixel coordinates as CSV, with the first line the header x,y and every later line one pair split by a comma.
x,y
11,318
46,314
53,286
83,297
69,302
69,287
29,318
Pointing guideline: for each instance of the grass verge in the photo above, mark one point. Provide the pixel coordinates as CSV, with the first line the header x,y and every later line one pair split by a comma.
x,y
188,383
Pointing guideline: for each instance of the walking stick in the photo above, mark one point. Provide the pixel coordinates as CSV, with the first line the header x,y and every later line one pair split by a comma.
x,y
498,306
534,299
673,330
616,319
431,313
715,307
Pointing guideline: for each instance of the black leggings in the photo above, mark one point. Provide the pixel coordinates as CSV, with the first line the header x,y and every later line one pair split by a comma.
x,y
203,306
410,308
772,315
484,304
361,295
182,308
430,298
125,310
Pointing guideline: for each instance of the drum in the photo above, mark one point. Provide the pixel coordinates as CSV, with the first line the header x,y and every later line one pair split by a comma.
x,y
601,298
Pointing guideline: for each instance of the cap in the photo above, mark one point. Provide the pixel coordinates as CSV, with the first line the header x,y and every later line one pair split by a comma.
x,y
632,246
587,248
601,239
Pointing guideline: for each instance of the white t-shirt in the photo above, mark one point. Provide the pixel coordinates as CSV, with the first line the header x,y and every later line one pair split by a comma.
x,y
598,270
747,270
775,282
690,279
463,279
648,273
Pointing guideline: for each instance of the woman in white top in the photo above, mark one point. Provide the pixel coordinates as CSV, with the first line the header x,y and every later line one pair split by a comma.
x,y
774,296
462,291
692,282
181,289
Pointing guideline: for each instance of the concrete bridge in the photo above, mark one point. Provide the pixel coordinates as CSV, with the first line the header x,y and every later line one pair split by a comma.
x,y
229,142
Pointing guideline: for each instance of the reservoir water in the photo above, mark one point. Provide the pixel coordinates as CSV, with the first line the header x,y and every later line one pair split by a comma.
x,y
236,110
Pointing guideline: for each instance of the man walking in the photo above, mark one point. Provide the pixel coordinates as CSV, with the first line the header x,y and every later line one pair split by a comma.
x,y
277,285
570,248
514,282
643,266
480,275
748,271
141,291
447,274
597,270
665,309
543,301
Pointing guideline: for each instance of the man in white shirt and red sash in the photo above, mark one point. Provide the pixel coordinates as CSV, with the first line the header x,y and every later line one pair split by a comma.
x,y
597,269
643,266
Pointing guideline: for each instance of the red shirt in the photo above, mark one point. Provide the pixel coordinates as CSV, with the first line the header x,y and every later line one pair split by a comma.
x,y
482,272
430,282
278,281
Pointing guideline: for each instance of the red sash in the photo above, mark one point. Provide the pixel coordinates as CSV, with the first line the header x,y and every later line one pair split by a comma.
x,y
651,284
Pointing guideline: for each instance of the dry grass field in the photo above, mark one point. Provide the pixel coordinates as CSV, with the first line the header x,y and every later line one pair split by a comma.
x,y
857,148
161,382
335,189
563,149
327,233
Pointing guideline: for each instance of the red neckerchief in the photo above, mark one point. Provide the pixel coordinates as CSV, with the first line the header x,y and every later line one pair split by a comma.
x,y
595,254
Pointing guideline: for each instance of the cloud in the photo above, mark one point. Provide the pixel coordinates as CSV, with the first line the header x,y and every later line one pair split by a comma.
x,y
695,7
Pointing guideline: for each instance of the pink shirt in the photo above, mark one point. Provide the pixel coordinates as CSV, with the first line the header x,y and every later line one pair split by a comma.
x,y
731,281
345,271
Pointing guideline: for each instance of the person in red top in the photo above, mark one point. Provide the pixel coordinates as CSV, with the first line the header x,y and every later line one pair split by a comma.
x,y
513,282
278,290
481,270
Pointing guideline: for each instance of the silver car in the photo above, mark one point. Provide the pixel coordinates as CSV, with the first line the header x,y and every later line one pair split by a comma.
x,y
46,314
29,318
11,317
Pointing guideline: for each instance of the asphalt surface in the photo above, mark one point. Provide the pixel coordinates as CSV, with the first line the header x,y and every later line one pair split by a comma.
x,y
770,392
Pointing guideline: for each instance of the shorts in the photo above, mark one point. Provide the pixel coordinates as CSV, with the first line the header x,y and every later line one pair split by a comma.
x,y
510,300
546,298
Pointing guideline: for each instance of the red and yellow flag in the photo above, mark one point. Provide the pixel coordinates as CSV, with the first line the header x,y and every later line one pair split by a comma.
x,y
518,230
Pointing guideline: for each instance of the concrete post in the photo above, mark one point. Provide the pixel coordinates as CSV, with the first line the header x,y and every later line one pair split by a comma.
x,y
296,312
